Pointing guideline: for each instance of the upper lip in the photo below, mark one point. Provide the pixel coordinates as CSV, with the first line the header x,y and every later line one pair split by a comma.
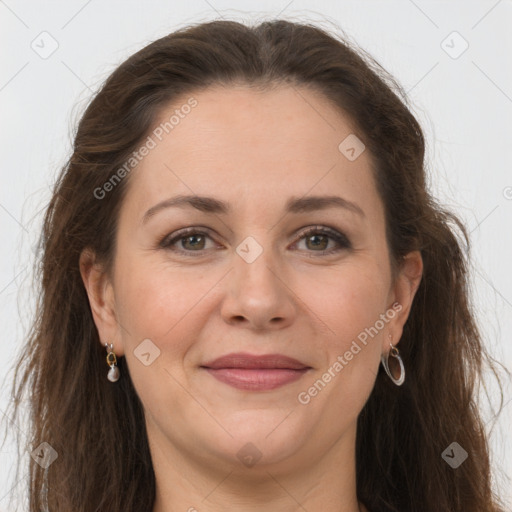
x,y
244,360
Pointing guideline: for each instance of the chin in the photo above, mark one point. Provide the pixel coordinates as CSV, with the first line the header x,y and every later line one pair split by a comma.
x,y
260,439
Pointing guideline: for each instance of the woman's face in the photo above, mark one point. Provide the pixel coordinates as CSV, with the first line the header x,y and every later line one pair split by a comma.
x,y
248,278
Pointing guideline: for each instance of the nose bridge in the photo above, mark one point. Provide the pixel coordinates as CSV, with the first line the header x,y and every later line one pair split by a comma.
x,y
256,226
257,258
257,289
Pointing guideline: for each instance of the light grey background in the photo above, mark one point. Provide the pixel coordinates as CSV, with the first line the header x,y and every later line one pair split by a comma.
x,y
464,103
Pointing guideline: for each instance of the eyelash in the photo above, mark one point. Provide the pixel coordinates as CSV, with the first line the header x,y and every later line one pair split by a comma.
x,y
340,238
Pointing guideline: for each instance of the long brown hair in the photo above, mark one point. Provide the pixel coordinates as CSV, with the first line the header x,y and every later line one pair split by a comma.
x,y
97,429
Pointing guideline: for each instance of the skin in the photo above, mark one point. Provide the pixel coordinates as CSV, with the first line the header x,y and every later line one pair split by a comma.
x,y
253,150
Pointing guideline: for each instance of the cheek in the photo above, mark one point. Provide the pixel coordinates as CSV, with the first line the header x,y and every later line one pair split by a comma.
x,y
168,305
351,311
153,300
158,305
350,300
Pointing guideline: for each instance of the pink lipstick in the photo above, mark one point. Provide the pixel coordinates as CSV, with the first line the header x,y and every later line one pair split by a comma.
x,y
256,372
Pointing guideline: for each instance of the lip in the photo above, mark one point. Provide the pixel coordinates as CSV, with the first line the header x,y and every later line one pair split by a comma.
x,y
264,361
256,372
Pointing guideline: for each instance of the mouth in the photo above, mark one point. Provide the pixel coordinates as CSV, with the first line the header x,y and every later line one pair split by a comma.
x,y
256,372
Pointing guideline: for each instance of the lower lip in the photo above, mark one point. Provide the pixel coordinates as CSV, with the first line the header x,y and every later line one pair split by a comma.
x,y
261,379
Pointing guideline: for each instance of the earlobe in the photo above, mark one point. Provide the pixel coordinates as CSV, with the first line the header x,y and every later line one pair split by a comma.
x,y
101,299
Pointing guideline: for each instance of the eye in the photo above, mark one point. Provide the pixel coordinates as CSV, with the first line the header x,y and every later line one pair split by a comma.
x,y
193,240
317,237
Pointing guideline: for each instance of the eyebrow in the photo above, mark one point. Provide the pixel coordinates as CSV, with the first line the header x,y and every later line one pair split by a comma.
x,y
217,206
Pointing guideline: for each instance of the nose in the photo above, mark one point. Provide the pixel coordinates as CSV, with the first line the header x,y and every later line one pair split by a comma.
x,y
259,293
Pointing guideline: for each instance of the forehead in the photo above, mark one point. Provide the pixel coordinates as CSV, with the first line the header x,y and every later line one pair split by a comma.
x,y
245,145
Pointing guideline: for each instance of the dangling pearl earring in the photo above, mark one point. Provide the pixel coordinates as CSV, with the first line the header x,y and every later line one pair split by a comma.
x,y
113,373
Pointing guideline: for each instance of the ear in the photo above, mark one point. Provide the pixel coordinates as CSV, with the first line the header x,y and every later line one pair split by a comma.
x,y
403,291
101,299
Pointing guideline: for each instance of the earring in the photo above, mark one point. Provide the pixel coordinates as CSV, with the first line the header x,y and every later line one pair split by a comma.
x,y
385,362
113,373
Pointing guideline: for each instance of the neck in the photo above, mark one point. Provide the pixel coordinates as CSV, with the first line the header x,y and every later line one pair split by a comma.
x,y
195,483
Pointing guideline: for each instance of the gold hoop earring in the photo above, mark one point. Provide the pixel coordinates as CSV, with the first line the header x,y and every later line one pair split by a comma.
x,y
113,373
393,352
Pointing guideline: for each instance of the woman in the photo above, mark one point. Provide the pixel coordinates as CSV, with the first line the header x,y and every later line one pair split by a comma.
x,y
250,301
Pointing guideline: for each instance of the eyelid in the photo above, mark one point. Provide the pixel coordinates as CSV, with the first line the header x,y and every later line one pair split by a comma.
x,y
342,240
333,232
176,236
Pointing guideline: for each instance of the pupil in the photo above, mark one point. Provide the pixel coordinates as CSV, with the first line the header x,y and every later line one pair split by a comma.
x,y
316,243
192,237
